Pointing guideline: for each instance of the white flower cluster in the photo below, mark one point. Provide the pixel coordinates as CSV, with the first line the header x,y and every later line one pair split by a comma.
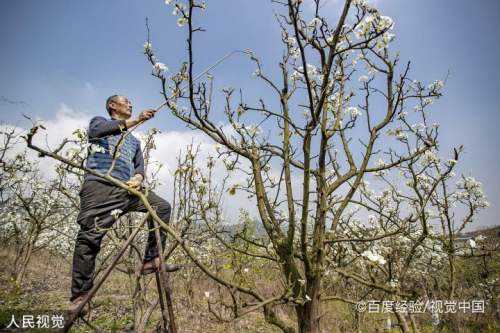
x,y
427,101
384,23
312,72
472,243
424,182
480,238
181,21
383,42
80,134
147,47
290,41
375,257
429,157
381,164
363,78
293,50
472,191
315,22
377,22
116,213
420,127
295,53
180,9
353,111
362,3
436,86
384,199
160,68
94,148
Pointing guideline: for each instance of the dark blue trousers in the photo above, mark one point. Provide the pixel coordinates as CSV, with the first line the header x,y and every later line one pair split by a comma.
x,y
97,201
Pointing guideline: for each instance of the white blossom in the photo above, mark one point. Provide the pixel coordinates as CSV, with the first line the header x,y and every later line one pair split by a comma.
x,y
385,22
160,67
181,21
388,37
436,85
383,42
427,101
429,157
290,41
116,213
480,238
369,19
312,71
94,148
353,111
295,76
147,46
295,52
472,243
363,78
472,192
315,21
375,257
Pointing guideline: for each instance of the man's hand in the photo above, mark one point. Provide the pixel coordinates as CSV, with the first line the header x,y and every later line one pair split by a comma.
x,y
135,182
143,116
146,114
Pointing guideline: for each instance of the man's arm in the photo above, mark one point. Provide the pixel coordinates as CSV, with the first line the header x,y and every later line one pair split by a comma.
x,y
100,126
143,116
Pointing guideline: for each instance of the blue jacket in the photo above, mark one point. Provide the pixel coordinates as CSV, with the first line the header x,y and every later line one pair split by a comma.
x,y
104,135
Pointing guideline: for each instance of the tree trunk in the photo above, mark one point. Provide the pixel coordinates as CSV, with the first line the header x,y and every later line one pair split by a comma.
x,y
402,322
413,323
26,256
308,315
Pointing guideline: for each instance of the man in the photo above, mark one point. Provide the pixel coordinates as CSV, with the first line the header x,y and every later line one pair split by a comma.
x,y
101,202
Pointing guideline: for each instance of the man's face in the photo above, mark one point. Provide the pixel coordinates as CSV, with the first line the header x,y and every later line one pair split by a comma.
x,y
122,108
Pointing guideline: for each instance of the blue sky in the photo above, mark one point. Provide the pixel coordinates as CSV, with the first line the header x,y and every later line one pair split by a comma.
x,y
77,53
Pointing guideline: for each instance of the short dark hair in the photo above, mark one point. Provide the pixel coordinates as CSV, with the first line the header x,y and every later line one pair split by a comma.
x,y
110,99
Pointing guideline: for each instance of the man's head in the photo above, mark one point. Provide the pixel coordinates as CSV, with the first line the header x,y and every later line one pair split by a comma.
x,y
119,107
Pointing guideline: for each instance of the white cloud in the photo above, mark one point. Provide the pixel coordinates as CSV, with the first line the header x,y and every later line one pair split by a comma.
x,y
61,126
168,147
65,122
